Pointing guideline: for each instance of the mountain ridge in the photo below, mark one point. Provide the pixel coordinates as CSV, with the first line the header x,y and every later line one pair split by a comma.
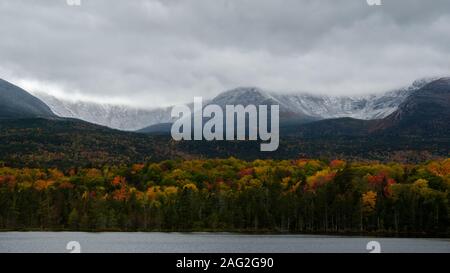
x,y
300,105
418,130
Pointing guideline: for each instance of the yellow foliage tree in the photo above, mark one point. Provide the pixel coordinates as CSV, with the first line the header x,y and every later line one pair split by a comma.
x,y
369,200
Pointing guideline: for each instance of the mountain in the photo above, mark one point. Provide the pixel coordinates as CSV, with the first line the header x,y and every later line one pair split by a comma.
x,y
256,96
367,107
241,96
304,108
32,135
297,107
18,103
425,112
417,130
120,117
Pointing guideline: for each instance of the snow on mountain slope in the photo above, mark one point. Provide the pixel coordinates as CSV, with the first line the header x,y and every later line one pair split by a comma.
x,y
114,116
244,96
362,107
304,105
374,106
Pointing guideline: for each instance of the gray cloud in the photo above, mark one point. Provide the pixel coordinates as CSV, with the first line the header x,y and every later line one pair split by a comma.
x,y
162,52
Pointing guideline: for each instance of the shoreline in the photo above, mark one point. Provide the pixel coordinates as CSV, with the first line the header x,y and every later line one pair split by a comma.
x,y
256,233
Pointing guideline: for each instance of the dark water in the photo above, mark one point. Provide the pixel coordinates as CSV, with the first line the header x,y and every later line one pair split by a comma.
x,y
208,242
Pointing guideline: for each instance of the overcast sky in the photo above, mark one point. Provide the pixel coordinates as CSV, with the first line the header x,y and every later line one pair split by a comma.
x,y
149,53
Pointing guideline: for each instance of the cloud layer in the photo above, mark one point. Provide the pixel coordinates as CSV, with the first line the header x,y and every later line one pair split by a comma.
x,y
151,53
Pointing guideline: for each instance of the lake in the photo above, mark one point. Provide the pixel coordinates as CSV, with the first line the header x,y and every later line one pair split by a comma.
x,y
156,242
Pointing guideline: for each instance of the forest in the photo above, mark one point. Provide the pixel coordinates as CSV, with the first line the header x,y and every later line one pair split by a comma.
x,y
297,196
62,144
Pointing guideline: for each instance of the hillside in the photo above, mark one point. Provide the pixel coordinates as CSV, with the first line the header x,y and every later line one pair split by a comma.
x,y
74,143
17,103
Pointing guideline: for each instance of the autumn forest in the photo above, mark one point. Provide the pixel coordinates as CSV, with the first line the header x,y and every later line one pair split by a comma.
x,y
301,196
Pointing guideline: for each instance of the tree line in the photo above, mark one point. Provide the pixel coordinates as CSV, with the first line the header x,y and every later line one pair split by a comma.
x,y
303,195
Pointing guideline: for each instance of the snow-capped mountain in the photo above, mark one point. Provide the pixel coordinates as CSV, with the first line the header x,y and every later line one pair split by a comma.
x,y
372,106
114,116
303,105
367,107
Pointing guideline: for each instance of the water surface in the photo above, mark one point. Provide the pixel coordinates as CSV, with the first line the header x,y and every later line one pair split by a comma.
x,y
155,242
